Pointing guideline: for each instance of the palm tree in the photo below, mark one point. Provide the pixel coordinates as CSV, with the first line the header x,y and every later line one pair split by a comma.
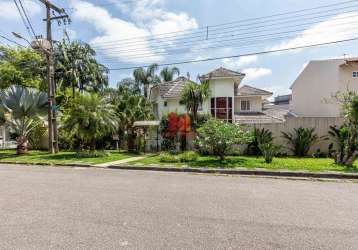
x,y
26,109
146,77
168,74
131,107
91,117
77,68
301,140
193,97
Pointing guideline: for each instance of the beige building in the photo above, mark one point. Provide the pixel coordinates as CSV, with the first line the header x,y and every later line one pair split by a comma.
x,y
314,90
230,100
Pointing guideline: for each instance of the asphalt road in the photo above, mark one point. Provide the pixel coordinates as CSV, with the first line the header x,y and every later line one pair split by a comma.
x,y
64,208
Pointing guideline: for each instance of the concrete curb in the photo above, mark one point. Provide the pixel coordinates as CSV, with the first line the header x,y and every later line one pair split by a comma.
x,y
297,174
247,172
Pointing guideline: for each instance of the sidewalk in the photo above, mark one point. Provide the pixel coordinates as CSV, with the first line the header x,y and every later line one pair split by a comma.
x,y
120,162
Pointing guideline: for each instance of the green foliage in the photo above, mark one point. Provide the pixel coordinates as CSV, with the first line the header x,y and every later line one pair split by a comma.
x,y
168,158
90,118
19,66
301,140
78,69
218,137
319,154
193,96
26,109
269,150
131,107
260,136
188,156
36,136
146,77
168,74
347,136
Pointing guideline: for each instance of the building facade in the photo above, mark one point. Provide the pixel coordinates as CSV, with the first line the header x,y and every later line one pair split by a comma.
x,y
314,90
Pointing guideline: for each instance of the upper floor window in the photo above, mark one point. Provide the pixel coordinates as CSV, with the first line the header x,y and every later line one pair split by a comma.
x,y
245,105
355,74
221,108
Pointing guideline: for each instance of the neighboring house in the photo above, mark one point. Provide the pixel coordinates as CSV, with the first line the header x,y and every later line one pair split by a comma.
x,y
230,100
314,90
282,100
5,138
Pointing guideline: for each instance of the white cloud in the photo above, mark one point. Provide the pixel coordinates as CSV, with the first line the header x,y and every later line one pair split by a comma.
x,y
340,27
9,11
148,18
238,63
255,73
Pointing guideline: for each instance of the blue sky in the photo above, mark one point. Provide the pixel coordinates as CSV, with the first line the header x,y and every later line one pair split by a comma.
x,y
110,26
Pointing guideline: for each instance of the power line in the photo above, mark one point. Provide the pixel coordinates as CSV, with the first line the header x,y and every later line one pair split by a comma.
x,y
232,37
249,40
240,55
234,22
23,19
27,18
12,41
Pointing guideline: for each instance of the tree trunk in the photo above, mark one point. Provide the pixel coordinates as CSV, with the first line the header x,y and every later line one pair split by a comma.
x,y
22,145
131,141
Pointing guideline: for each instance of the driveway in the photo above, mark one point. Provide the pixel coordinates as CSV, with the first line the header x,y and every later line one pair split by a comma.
x,y
68,208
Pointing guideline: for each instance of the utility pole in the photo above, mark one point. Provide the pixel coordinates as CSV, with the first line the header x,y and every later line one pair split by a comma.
x,y
52,111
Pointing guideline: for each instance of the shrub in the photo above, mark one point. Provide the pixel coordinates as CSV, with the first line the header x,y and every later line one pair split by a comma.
x,y
168,158
260,136
218,137
301,140
269,150
188,156
319,154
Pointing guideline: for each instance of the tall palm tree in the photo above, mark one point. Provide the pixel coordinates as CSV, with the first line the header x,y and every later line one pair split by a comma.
x,y
146,77
26,109
77,68
91,117
193,97
168,74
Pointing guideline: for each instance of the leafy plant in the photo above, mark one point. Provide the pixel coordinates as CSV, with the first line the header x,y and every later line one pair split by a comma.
x,y
218,137
26,109
343,147
168,74
319,154
269,150
260,136
91,117
301,140
168,158
36,136
188,156
193,96
146,77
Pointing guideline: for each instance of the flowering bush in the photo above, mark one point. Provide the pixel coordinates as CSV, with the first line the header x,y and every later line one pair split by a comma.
x,y
218,137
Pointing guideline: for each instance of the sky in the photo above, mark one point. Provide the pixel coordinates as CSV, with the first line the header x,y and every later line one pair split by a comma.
x,y
128,33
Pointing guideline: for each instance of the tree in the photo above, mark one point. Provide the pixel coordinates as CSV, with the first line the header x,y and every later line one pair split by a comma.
x,y
130,84
193,97
347,136
131,107
260,136
26,109
301,140
24,67
218,137
168,73
146,77
78,69
90,117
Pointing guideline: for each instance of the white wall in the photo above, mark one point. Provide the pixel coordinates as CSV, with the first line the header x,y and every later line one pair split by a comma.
x,y
313,90
255,104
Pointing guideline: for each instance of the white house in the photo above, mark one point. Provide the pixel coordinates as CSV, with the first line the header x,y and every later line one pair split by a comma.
x,y
314,90
230,100
5,138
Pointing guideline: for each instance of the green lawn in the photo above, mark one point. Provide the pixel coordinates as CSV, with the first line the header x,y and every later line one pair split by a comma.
x,y
232,162
62,158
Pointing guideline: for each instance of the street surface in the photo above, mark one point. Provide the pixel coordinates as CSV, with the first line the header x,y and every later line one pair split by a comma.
x,y
70,208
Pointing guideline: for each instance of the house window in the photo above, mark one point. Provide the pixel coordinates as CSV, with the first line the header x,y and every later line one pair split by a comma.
x,y
245,105
221,108
355,74
165,104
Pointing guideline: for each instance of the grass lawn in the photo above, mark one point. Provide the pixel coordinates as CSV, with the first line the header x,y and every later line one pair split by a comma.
x,y
232,162
62,158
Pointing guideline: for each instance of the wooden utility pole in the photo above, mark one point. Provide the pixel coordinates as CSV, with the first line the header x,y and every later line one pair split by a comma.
x,y
52,111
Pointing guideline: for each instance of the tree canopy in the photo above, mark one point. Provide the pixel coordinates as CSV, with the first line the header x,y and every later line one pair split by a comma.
x,y
22,66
